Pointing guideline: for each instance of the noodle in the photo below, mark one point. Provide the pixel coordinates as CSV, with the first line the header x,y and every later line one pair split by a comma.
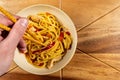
x,y
55,40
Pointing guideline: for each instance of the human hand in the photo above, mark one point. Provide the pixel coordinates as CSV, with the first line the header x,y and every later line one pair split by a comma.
x,y
8,44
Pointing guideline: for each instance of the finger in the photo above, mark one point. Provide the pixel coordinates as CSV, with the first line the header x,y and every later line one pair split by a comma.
x,y
16,33
17,17
6,21
22,46
1,38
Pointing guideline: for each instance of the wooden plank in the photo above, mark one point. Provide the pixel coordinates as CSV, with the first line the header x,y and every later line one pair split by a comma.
x,y
16,5
83,12
102,36
112,59
84,67
101,39
19,74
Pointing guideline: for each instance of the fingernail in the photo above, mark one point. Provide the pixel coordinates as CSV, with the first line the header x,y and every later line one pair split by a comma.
x,y
24,22
23,51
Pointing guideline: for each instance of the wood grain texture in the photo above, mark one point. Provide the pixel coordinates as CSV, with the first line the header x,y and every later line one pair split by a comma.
x,y
83,67
83,12
16,5
19,74
112,60
101,39
102,36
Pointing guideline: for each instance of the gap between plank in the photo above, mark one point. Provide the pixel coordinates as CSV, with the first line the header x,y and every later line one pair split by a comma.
x,y
61,74
98,18
99,60
9,71
61,71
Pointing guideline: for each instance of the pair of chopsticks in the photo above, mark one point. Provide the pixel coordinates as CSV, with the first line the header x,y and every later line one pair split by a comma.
x,y
13,19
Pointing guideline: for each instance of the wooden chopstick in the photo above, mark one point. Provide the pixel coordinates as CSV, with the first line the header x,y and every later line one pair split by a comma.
x,y
6,13
13,19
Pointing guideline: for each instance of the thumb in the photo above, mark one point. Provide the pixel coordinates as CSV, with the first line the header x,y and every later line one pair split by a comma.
x,y
16,33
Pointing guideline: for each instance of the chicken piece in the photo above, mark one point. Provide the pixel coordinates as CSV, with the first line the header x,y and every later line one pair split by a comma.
x,y
34,18
32,29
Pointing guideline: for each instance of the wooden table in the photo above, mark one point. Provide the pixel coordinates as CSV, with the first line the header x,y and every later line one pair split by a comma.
x,y
98,51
